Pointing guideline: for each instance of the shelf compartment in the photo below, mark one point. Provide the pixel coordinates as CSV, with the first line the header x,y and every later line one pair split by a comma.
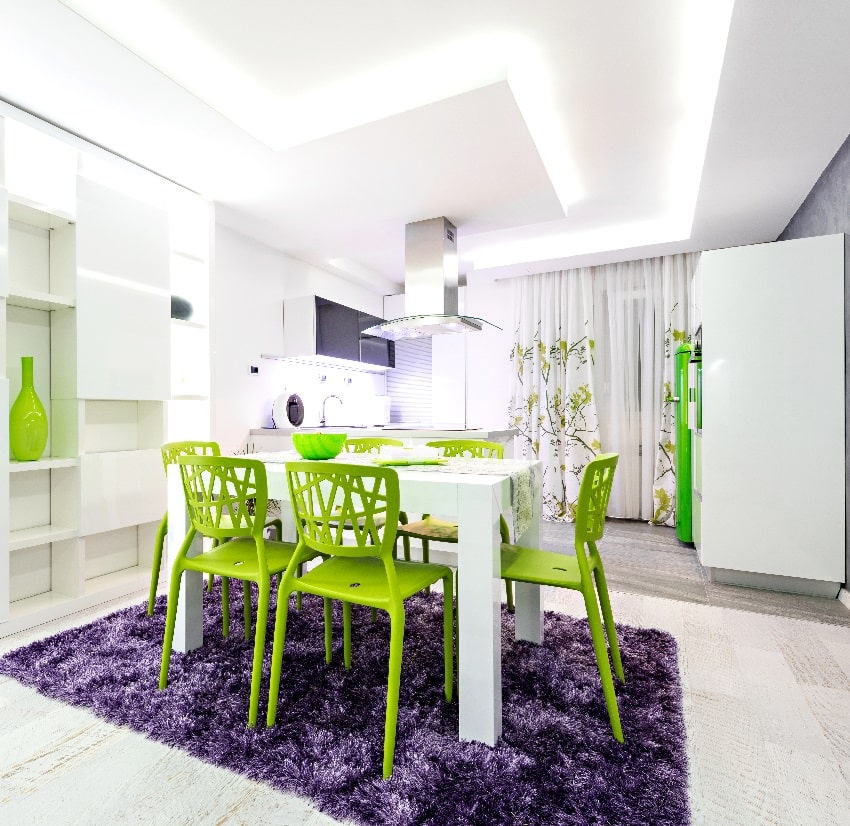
x,y
34,300
39,535
28,211
47,463
49,606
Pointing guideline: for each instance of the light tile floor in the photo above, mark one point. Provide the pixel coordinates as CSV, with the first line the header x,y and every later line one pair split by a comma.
x,y
766,692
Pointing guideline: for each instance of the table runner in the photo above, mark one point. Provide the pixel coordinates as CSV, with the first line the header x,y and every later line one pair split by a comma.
x,y
523,475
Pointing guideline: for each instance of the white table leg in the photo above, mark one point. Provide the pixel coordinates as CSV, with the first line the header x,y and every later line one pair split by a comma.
x,y
189,626
528,616
479,598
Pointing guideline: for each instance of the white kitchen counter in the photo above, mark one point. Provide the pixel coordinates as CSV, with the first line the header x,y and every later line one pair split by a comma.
x,y
272,439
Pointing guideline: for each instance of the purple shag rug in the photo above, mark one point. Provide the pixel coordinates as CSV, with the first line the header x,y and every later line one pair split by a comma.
x,y
556,763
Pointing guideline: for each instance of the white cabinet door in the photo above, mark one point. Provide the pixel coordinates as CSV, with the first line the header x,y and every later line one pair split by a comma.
x,y
773,465
121,237
120,490
123,296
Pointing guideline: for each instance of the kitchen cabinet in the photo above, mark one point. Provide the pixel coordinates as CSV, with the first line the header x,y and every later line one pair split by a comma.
x,y
770,469
318,327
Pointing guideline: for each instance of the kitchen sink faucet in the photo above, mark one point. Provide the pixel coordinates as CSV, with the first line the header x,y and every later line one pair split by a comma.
x,y
332,396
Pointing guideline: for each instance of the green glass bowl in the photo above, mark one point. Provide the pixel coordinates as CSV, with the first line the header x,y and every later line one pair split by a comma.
x,y
318,445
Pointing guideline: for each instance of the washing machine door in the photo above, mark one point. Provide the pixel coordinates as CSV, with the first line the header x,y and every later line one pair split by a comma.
x,y
288,411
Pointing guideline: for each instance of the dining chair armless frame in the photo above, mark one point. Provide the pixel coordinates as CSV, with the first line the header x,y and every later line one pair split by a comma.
x,y
360,572
432,529
227,501
583,572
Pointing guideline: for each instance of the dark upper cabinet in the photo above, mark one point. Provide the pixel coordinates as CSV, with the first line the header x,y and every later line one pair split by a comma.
x,y
319,326
374,350
337,330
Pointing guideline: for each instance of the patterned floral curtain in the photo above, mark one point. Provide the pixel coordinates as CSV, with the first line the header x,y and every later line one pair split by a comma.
x,y
676,273
593,372
553,403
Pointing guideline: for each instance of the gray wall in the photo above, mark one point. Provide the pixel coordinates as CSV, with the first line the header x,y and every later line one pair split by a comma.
x,y
825,211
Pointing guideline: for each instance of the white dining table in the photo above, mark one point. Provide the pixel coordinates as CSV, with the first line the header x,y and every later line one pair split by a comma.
x,y
475,502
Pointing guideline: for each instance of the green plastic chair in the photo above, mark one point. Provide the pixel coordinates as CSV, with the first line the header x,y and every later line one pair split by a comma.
x,y
170,452
561,571
363,573
373,445
370,444
431,529
227,499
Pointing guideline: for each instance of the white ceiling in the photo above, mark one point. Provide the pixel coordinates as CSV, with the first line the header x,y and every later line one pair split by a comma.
x,y
552,133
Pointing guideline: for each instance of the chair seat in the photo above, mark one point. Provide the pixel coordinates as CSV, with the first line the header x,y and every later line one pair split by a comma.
x,y
237,558
380,520
430,528
540,567
364,580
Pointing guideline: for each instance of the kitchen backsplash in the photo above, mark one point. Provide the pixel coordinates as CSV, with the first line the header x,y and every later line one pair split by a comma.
x,y
361,397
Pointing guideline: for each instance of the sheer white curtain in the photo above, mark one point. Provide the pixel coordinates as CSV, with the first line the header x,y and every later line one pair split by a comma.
x,y
634,315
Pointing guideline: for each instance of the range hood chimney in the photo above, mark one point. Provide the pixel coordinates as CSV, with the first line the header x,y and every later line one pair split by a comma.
x,y
430,285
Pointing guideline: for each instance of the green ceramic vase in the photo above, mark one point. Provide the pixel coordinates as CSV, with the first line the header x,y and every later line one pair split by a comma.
x,y
27,419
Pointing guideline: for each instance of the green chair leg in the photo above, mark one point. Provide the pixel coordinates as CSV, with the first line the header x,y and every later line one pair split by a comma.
x,y
170,620
608,617
277,652
225,607
346,635
509,592
246,609
259,650
161,533
602,662
298,595
448,637
328,629
393,684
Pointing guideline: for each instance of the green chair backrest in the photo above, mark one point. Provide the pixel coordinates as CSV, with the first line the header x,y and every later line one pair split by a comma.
x,y
470,448
171,450
593,496
369,444
226,496
334,503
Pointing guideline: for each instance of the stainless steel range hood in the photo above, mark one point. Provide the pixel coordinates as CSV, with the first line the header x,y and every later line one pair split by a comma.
x,y
430,285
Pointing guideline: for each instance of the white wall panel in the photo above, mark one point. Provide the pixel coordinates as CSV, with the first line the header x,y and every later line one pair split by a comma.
x,y
29,573
773,409
29,504
109,552
123,339
121,237
40,168
121,489
111,426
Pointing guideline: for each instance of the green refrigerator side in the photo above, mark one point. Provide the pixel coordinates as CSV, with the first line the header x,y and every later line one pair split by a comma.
x,y
684,492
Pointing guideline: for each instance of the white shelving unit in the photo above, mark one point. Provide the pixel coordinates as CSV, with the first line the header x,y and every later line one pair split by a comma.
x,y
86,274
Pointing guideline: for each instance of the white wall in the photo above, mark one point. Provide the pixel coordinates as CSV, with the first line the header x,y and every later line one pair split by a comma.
x,y
249,283
488,380
473,370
